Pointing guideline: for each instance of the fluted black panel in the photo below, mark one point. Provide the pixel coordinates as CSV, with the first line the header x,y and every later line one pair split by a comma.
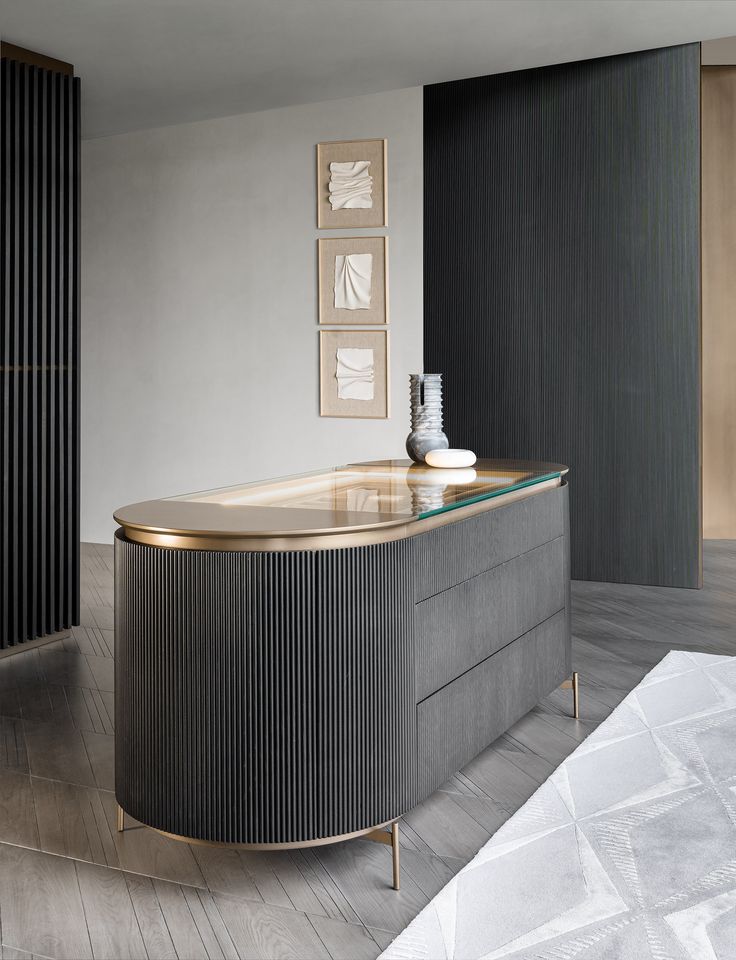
x,y
39,352
264,697
561,248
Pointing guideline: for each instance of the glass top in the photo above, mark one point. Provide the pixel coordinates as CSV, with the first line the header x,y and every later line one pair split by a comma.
x,y
384,489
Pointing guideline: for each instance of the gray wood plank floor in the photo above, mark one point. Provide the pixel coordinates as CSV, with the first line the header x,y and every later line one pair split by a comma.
x,y
72,887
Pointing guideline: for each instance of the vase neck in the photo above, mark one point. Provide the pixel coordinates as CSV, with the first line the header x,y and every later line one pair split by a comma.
x,y
426,402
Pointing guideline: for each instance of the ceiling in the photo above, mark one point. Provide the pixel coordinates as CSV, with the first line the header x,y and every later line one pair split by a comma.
x,y
147,63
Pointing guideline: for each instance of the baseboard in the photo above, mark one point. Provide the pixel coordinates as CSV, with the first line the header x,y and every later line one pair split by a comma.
x,y
32,644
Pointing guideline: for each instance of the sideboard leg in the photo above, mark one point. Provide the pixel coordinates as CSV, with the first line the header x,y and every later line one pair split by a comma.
x,y
391,839
395,854
121,819
574,684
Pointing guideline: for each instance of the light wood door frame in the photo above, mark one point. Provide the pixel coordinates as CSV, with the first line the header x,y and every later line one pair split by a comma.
x,y
718,133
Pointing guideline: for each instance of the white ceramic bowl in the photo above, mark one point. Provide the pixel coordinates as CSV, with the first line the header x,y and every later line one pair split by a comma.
x,y
450,458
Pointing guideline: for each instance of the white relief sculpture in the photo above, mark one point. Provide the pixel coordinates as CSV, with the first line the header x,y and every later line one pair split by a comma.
x,y
351,185
353,281
355,366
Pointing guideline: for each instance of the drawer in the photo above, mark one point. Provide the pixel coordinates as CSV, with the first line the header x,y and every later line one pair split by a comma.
x,y
457,629
448,555
457,722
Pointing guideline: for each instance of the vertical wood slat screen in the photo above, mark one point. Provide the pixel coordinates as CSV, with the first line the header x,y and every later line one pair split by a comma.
x,y
39,352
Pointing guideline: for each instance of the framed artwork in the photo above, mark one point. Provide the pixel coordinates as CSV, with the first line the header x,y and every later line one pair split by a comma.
x,y
353,280
354,374
351,184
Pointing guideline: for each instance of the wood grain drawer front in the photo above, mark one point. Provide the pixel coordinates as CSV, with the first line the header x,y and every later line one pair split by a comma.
x,y
451,554
460,720
459,628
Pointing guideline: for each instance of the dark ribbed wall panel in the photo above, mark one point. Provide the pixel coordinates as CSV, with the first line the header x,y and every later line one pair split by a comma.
x,y
265,697
39,352
561,239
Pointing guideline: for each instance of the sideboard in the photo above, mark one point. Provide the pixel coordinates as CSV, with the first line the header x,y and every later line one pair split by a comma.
x,y
304,660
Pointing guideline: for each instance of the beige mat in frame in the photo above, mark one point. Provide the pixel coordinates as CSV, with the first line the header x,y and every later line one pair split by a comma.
x,y
327,250
342,151
330,404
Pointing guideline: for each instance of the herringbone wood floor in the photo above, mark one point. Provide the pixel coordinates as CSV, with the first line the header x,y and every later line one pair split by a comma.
x,y
71,887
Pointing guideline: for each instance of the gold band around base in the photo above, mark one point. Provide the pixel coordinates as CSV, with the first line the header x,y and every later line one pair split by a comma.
x,y
291,845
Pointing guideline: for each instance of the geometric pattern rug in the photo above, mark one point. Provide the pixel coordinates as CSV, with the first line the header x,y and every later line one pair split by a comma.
x,y
626,852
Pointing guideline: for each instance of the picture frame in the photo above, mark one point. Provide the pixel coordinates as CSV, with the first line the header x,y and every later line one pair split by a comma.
x,y
332,262
374,152
351,404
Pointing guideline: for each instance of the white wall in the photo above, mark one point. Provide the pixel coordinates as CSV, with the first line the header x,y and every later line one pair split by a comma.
x,y
199,323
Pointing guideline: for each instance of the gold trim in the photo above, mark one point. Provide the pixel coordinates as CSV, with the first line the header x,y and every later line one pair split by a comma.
x,y
392,840
574,684
377,834
291,845
325,540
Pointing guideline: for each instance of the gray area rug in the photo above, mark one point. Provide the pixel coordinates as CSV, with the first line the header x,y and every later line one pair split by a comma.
x,y
628,851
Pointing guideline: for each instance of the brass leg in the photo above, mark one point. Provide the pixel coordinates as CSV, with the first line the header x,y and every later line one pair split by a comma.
x,y
392,839
121,819
395,854
574,685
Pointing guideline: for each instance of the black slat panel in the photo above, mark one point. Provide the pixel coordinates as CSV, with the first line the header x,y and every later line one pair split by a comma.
x,y
264,697
39,352
561,244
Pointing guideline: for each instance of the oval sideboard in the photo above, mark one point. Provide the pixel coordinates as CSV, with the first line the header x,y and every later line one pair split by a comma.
x,y
318,685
